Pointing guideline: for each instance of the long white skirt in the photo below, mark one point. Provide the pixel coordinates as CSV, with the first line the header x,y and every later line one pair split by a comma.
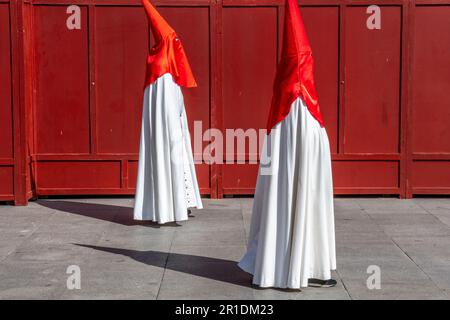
x,y
166,181
292,235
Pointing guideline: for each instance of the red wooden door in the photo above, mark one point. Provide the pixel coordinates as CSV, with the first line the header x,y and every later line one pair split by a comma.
x,y
89,104
249,60
358,75
6,107
384,93
429,134
369,139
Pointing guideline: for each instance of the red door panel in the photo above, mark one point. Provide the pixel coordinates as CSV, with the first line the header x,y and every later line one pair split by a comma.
x,y
6,149
55,177
429,132
239,178
372,82
6,182
431,82
431,175
121,45
6,119
366,176
62,83
249,65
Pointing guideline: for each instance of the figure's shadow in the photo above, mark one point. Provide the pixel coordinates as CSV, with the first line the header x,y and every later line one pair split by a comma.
x,y
111,213
210,268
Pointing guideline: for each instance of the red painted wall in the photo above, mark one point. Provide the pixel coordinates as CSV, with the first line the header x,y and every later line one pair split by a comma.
x,y
6,110
430,106
384,93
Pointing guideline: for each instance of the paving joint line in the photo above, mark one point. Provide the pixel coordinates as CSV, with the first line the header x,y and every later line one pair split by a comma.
x,y
404,252
165,265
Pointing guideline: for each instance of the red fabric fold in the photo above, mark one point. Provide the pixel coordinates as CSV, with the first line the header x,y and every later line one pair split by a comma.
x,y
295,72
167,55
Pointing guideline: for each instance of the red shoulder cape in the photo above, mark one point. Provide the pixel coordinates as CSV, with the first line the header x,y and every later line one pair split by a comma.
x,y
294,76
167,55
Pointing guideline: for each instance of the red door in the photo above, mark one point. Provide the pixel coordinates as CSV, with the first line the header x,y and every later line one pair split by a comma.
x,y
89,104
429,134
6,107
383,92
358,74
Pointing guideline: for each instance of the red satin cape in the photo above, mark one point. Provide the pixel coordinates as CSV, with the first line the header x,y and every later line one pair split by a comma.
x,y
167,55
294,76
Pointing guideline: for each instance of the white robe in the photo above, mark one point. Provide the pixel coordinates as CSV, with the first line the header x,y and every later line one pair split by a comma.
x,y
166,181
292,236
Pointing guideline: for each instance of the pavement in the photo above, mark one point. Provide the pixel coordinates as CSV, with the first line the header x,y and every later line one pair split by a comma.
x,y
405,242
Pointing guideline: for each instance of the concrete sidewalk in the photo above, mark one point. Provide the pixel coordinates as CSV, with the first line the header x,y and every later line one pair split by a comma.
x,y
120,258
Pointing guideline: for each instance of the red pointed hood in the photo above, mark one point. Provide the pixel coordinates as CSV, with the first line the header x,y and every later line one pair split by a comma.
x,y
294,76
167,55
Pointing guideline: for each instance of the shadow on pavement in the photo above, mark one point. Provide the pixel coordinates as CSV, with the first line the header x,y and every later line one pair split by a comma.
x,y
210,268
111,213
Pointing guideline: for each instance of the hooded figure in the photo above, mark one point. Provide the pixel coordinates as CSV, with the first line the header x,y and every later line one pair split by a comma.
x,y
291,242
166,182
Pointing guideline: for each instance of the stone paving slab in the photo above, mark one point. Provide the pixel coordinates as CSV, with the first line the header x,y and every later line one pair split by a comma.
x,y
119,258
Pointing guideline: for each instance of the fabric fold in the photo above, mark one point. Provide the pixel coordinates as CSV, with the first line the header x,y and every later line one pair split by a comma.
x,y
166,181
292,237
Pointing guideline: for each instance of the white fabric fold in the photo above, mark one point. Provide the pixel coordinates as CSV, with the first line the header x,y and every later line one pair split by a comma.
x,y
166,183
292,236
